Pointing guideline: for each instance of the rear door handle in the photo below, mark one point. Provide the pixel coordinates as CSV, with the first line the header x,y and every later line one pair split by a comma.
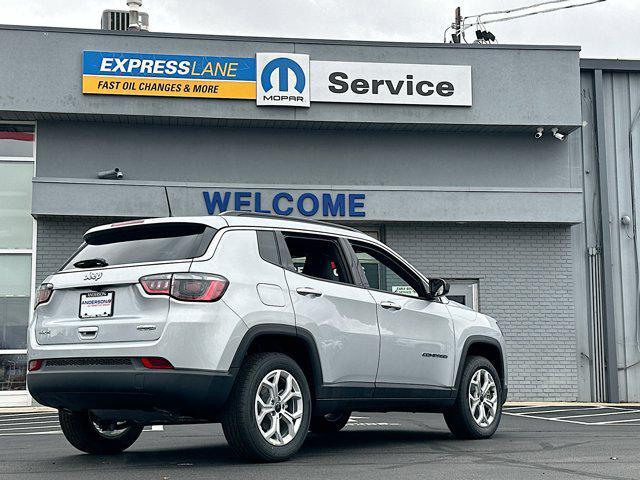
x,y
308,291
390,305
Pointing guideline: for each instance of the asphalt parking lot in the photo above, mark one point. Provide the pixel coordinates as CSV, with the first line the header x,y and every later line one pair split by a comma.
x,y
533,442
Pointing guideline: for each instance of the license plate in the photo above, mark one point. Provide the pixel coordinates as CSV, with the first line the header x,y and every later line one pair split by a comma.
x,y
96,304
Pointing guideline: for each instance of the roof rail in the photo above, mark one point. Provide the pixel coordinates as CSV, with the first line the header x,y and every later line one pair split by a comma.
x,y
242,213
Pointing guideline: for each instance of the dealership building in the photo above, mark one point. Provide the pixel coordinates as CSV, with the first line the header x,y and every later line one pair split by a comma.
x,y
431,148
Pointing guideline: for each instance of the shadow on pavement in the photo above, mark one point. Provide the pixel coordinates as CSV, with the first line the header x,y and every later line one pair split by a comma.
x,y
342,444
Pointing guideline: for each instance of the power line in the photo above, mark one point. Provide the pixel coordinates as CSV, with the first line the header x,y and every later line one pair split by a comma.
x,y
564,7
516,9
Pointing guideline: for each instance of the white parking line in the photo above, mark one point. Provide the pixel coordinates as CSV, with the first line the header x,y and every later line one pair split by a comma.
x,y
550,419
609,422
30,433
6,415
602,411
601,414
9,420
538,412
26,428
10,426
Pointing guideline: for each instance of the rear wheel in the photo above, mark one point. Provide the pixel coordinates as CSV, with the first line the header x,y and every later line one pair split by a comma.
x,y
478,408
330,423
89,434
268,412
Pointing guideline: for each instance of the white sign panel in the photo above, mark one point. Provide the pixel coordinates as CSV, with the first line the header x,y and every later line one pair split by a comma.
x,y
410,84
282,79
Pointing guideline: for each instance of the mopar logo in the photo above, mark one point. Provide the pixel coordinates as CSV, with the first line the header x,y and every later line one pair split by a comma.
x,y
282,79
283,65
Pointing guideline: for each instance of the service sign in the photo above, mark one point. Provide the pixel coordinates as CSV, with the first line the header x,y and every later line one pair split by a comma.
x,y
275,79
121,73
396,83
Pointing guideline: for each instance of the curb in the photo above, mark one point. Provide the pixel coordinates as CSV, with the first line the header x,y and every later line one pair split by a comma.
x,y
27,410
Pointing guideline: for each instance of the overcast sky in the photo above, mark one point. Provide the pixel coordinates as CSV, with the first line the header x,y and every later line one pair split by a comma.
x,y
610,29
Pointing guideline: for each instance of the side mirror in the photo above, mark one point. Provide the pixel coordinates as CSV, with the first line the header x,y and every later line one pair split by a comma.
x,y
438,287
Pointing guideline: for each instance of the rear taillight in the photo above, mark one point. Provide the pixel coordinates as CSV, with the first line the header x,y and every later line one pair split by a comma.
x,y
34,365
189,287
156,284
156,363
43,294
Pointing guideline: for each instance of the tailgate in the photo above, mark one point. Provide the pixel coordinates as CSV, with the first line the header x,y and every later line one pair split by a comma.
x,y
115,307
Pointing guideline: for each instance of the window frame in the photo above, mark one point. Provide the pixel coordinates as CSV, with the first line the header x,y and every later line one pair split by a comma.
x,y
8,397
403,267
287,260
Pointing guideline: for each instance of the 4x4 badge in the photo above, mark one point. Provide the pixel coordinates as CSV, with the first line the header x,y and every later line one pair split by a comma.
x,y
93,276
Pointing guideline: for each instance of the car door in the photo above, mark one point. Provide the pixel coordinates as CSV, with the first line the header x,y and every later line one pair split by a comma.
x,y
416,334
340,314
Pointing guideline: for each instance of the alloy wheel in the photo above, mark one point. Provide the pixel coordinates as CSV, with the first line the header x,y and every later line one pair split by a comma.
x,y
483,398
278,407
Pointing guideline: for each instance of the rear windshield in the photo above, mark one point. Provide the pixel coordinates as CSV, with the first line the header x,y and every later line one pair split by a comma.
x,y
158,242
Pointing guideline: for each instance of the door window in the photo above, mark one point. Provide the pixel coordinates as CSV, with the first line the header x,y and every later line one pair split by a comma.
x,y
383,272
318,258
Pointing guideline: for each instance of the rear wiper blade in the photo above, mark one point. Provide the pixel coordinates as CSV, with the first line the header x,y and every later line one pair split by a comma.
x,y
91,263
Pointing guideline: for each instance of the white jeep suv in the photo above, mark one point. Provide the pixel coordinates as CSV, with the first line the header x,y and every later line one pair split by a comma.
x,y
271,326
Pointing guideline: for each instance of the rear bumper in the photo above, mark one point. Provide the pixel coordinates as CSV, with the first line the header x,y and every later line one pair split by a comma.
x,y
194,393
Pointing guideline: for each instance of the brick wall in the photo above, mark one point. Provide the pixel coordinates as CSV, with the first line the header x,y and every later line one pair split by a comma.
x,y
525,283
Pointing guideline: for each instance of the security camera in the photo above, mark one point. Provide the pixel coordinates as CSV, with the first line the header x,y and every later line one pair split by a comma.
x,y
557,134
114,174
538,134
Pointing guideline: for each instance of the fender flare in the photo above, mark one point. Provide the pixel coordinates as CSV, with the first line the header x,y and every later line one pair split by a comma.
x,y
278,329
480,339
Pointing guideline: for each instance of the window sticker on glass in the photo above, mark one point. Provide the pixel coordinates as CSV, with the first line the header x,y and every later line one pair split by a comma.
x,y
404,290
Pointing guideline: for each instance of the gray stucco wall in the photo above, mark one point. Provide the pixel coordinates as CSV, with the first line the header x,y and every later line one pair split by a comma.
x,y
524,274
295,156
525,283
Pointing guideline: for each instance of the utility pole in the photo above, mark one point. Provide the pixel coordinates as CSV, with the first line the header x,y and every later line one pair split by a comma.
x,y
457,24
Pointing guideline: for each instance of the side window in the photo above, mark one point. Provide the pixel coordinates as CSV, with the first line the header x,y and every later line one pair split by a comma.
x,y
268,247
318,257
385,273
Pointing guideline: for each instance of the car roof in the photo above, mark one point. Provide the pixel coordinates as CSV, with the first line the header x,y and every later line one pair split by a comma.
x,y
247,219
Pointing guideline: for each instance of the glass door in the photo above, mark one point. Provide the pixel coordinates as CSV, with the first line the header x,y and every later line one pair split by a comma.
x,y
17,227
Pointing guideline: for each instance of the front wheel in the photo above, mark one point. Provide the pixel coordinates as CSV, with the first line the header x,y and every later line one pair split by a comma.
x,y
89,434
268,412
477,410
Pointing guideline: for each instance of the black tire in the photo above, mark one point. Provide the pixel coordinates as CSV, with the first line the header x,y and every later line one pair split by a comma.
x,y
330,423
238,421
459,417
79,429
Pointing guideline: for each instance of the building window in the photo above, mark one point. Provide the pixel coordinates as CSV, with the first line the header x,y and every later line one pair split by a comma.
x,y
17,167
464,291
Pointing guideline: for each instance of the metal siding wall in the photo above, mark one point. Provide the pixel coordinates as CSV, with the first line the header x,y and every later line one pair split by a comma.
x,y
525,277
622,100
